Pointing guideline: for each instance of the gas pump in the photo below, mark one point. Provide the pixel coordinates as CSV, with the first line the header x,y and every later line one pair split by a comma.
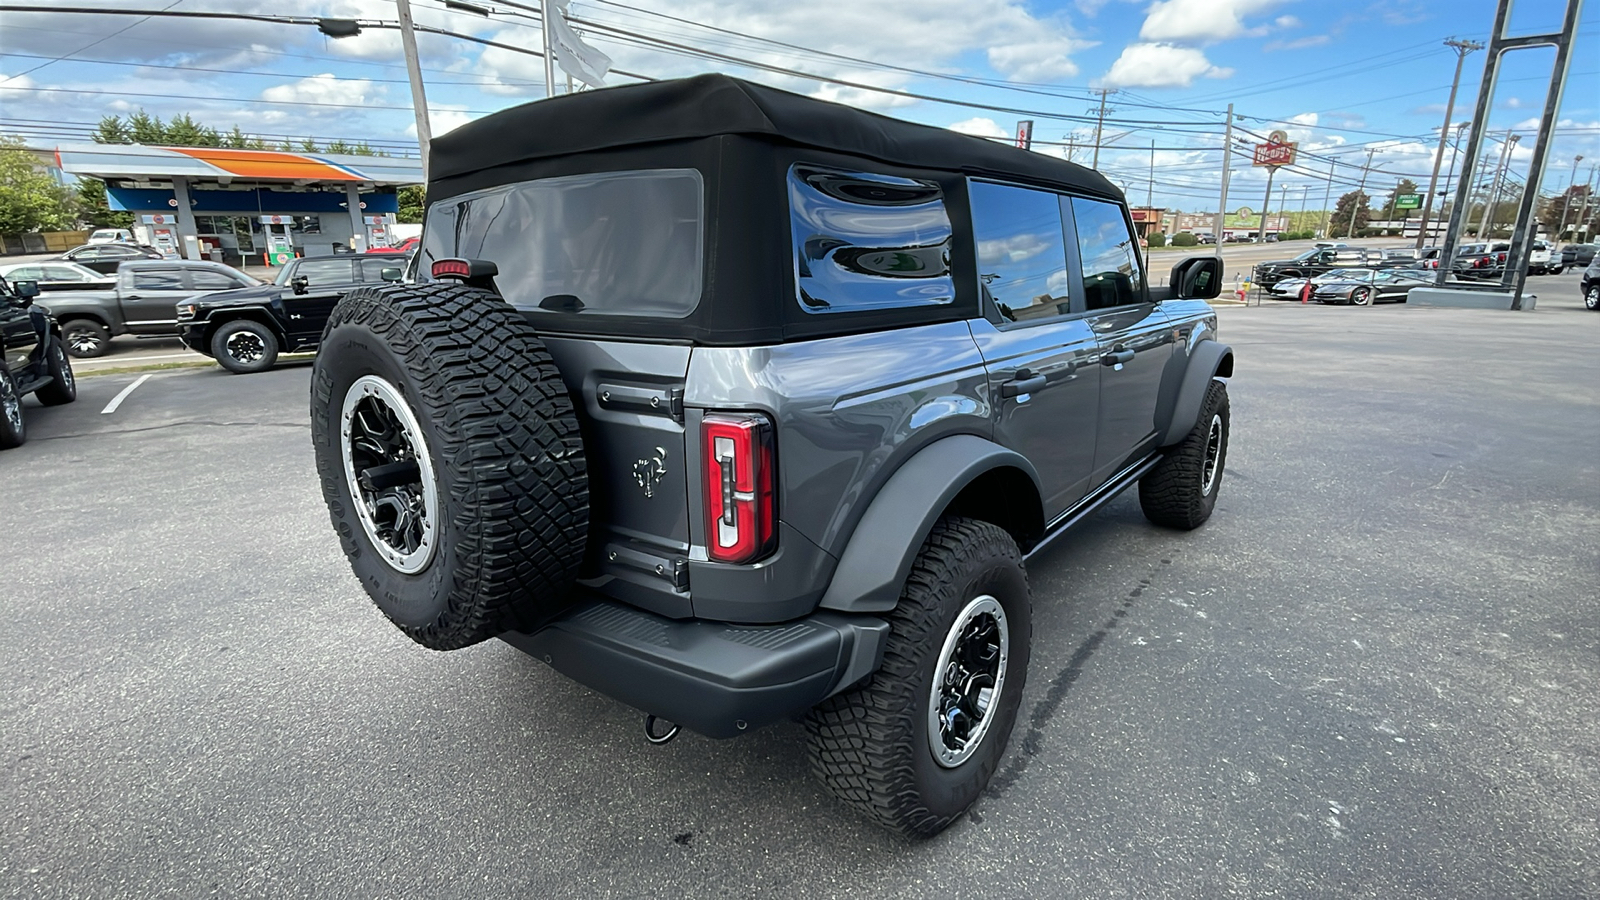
x,y
280,248
161,233
378,231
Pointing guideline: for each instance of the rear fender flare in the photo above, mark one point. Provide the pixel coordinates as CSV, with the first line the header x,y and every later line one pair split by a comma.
x,y
1206,361
874,566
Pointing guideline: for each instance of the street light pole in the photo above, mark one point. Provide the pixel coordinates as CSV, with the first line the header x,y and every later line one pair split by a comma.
x,y
1452,187
1361,193
1566,202
1494,185
1462,48
419,100
1327,198
1222,204
549,57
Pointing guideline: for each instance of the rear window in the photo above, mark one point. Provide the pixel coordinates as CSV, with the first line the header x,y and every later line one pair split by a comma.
x,y
614,243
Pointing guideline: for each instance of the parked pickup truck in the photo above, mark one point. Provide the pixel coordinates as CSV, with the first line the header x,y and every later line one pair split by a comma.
x,y
140,302
245,330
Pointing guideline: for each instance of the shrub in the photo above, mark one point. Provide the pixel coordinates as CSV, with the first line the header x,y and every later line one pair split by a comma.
x,y
1157,239
1184,239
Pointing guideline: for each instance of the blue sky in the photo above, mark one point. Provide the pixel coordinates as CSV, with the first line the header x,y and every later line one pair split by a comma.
x,y
1342,79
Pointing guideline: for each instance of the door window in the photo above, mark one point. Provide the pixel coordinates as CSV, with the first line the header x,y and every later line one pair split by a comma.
x,y
60,273
324,272
1112,275
27,273
372,269
213,281
158,280
1022,259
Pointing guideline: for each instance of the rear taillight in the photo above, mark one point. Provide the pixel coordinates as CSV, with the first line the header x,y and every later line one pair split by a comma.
x,y
740,486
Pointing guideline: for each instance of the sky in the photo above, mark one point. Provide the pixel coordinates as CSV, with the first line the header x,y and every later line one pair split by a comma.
x,y
1342,79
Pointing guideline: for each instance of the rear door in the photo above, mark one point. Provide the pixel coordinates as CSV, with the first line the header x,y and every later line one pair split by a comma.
x,y
327,280
1040,350
1134,335
150,296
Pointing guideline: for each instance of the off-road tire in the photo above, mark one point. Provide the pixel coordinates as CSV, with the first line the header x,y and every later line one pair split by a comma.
x,y
225,353
63,387
86,338
869,745
507,458
13,425
1176,492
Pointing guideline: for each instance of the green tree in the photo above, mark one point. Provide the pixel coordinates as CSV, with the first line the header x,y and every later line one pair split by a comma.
x,y
30,200
1352,205
411,197
1405,186
94,209
112,130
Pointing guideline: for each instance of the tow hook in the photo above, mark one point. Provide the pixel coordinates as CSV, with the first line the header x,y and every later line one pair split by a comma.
x,y
654,734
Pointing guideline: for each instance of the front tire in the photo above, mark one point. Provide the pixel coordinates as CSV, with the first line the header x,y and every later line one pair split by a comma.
x,y
1361,297
1591,297
917,742
1181,491
86,338
64,387
13,429
245,346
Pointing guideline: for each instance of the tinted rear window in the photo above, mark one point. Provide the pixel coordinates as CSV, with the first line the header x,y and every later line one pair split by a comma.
x,y
613,243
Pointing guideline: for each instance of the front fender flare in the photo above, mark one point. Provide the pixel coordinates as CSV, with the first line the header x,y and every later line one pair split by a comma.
x,y
875,564
1205,360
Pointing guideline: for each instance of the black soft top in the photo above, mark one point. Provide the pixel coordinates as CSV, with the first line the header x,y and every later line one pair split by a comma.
x,y
713,105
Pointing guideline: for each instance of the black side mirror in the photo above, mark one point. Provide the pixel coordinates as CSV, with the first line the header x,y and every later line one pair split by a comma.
x,y
26,291
299,284
1197,278
390,273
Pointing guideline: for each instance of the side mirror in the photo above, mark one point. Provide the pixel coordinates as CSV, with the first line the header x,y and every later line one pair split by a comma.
x,y
26,291
390,273
299,284
1197,278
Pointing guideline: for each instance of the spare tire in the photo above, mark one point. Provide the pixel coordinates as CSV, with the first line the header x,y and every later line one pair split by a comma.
x,y
450,459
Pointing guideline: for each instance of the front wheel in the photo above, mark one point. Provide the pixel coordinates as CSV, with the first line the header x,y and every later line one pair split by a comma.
x,y
63,388
1591,297
1361,297
86,338
917,742
244,346
1181,491
12,429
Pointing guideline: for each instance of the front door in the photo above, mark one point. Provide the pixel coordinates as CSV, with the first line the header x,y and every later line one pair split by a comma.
x,y
1134,336
150,297
19,335
1041,353
327,280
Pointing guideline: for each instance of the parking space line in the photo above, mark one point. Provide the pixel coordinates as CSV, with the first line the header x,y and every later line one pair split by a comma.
x,y
117,400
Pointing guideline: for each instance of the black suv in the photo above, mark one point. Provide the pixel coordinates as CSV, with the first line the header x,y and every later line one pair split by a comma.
x,y
35,360
246,329
738,405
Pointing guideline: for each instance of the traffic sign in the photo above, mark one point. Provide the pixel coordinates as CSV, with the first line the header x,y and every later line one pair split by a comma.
x,y
1408,201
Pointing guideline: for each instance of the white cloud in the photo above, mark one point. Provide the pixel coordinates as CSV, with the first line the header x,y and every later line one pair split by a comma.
x,y
442,118
1160,65
327,89
980,126
1286,22
1045,60
1314,40
1200,21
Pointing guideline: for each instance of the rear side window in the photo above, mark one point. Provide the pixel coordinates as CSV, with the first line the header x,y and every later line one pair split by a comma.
x,y
613,243
866,242
158,280
324,272
1022,261
202,280
372,269
1111,272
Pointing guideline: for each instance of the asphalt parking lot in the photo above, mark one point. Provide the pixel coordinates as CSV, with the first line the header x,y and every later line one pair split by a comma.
x,y
1372,674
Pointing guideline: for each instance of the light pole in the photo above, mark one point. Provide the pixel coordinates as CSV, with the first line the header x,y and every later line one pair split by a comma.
x,y
1455,151
1494,184
1361,193
419,100
1462,48
1572,182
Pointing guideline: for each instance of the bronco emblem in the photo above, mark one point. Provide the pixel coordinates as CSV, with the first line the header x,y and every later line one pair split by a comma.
x,y
647,473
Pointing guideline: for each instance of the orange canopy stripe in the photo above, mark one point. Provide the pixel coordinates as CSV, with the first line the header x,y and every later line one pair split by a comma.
x,y
268,164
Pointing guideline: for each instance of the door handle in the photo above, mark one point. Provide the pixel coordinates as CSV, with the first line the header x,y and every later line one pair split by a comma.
x,y
133,297
1116,357
1026,381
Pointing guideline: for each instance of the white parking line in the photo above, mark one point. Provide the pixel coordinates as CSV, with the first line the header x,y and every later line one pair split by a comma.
x,y
137,360
117,400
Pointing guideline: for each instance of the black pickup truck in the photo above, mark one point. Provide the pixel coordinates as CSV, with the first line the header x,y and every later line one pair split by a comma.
x,y
138,302
246,329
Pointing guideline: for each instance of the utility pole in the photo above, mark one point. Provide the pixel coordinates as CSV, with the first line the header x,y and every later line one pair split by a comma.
x,y
1150,191
1222,204
1462,48
1583,211
1452,187
1494,186
549,56
1069,148
1361,193
1572,182
1100,124
1300,220
419,100
1327,201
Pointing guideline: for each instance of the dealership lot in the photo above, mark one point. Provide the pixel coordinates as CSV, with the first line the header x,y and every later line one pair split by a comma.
x,y
1371,674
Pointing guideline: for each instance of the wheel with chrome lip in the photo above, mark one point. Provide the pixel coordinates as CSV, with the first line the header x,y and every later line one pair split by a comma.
x,y
243,346
450,460
1181,491
63,387
1591,297
13,431
86,338
915,744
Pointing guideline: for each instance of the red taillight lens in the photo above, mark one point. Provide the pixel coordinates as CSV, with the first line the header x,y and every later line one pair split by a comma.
x,y
448,268
740,487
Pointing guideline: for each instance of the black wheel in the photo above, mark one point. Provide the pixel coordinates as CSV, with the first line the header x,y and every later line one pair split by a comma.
x,y
1591,297
1181,491
85,338
13,431
243,346
64,387
916,743
1361,296
450,459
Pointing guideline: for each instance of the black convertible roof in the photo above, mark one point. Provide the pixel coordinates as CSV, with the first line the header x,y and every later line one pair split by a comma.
x,y
711,105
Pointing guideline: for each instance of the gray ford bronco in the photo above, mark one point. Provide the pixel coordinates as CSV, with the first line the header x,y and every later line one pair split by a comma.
x,y
740,406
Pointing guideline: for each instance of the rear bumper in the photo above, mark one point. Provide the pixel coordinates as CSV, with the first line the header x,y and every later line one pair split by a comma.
x,y
715,678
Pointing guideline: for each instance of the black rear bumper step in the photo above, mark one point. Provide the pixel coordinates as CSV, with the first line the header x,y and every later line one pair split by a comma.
x,y
716,678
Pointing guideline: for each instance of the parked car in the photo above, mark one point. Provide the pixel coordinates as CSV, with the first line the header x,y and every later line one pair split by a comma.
x,y
1574,256
1291,288
141,301
1314,261
794,477
110,236
1479,261
1542,260
33,361
244,330
57,276
1205,237
1590,284
403,247
1362,287
106,257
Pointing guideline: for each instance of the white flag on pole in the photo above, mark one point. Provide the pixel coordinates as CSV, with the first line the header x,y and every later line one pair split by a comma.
x,y
576,58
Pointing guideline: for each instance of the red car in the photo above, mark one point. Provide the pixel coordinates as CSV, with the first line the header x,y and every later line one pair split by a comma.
x,y
405,246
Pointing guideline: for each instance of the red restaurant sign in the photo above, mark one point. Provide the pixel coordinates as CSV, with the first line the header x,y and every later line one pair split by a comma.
x,y
1277,151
